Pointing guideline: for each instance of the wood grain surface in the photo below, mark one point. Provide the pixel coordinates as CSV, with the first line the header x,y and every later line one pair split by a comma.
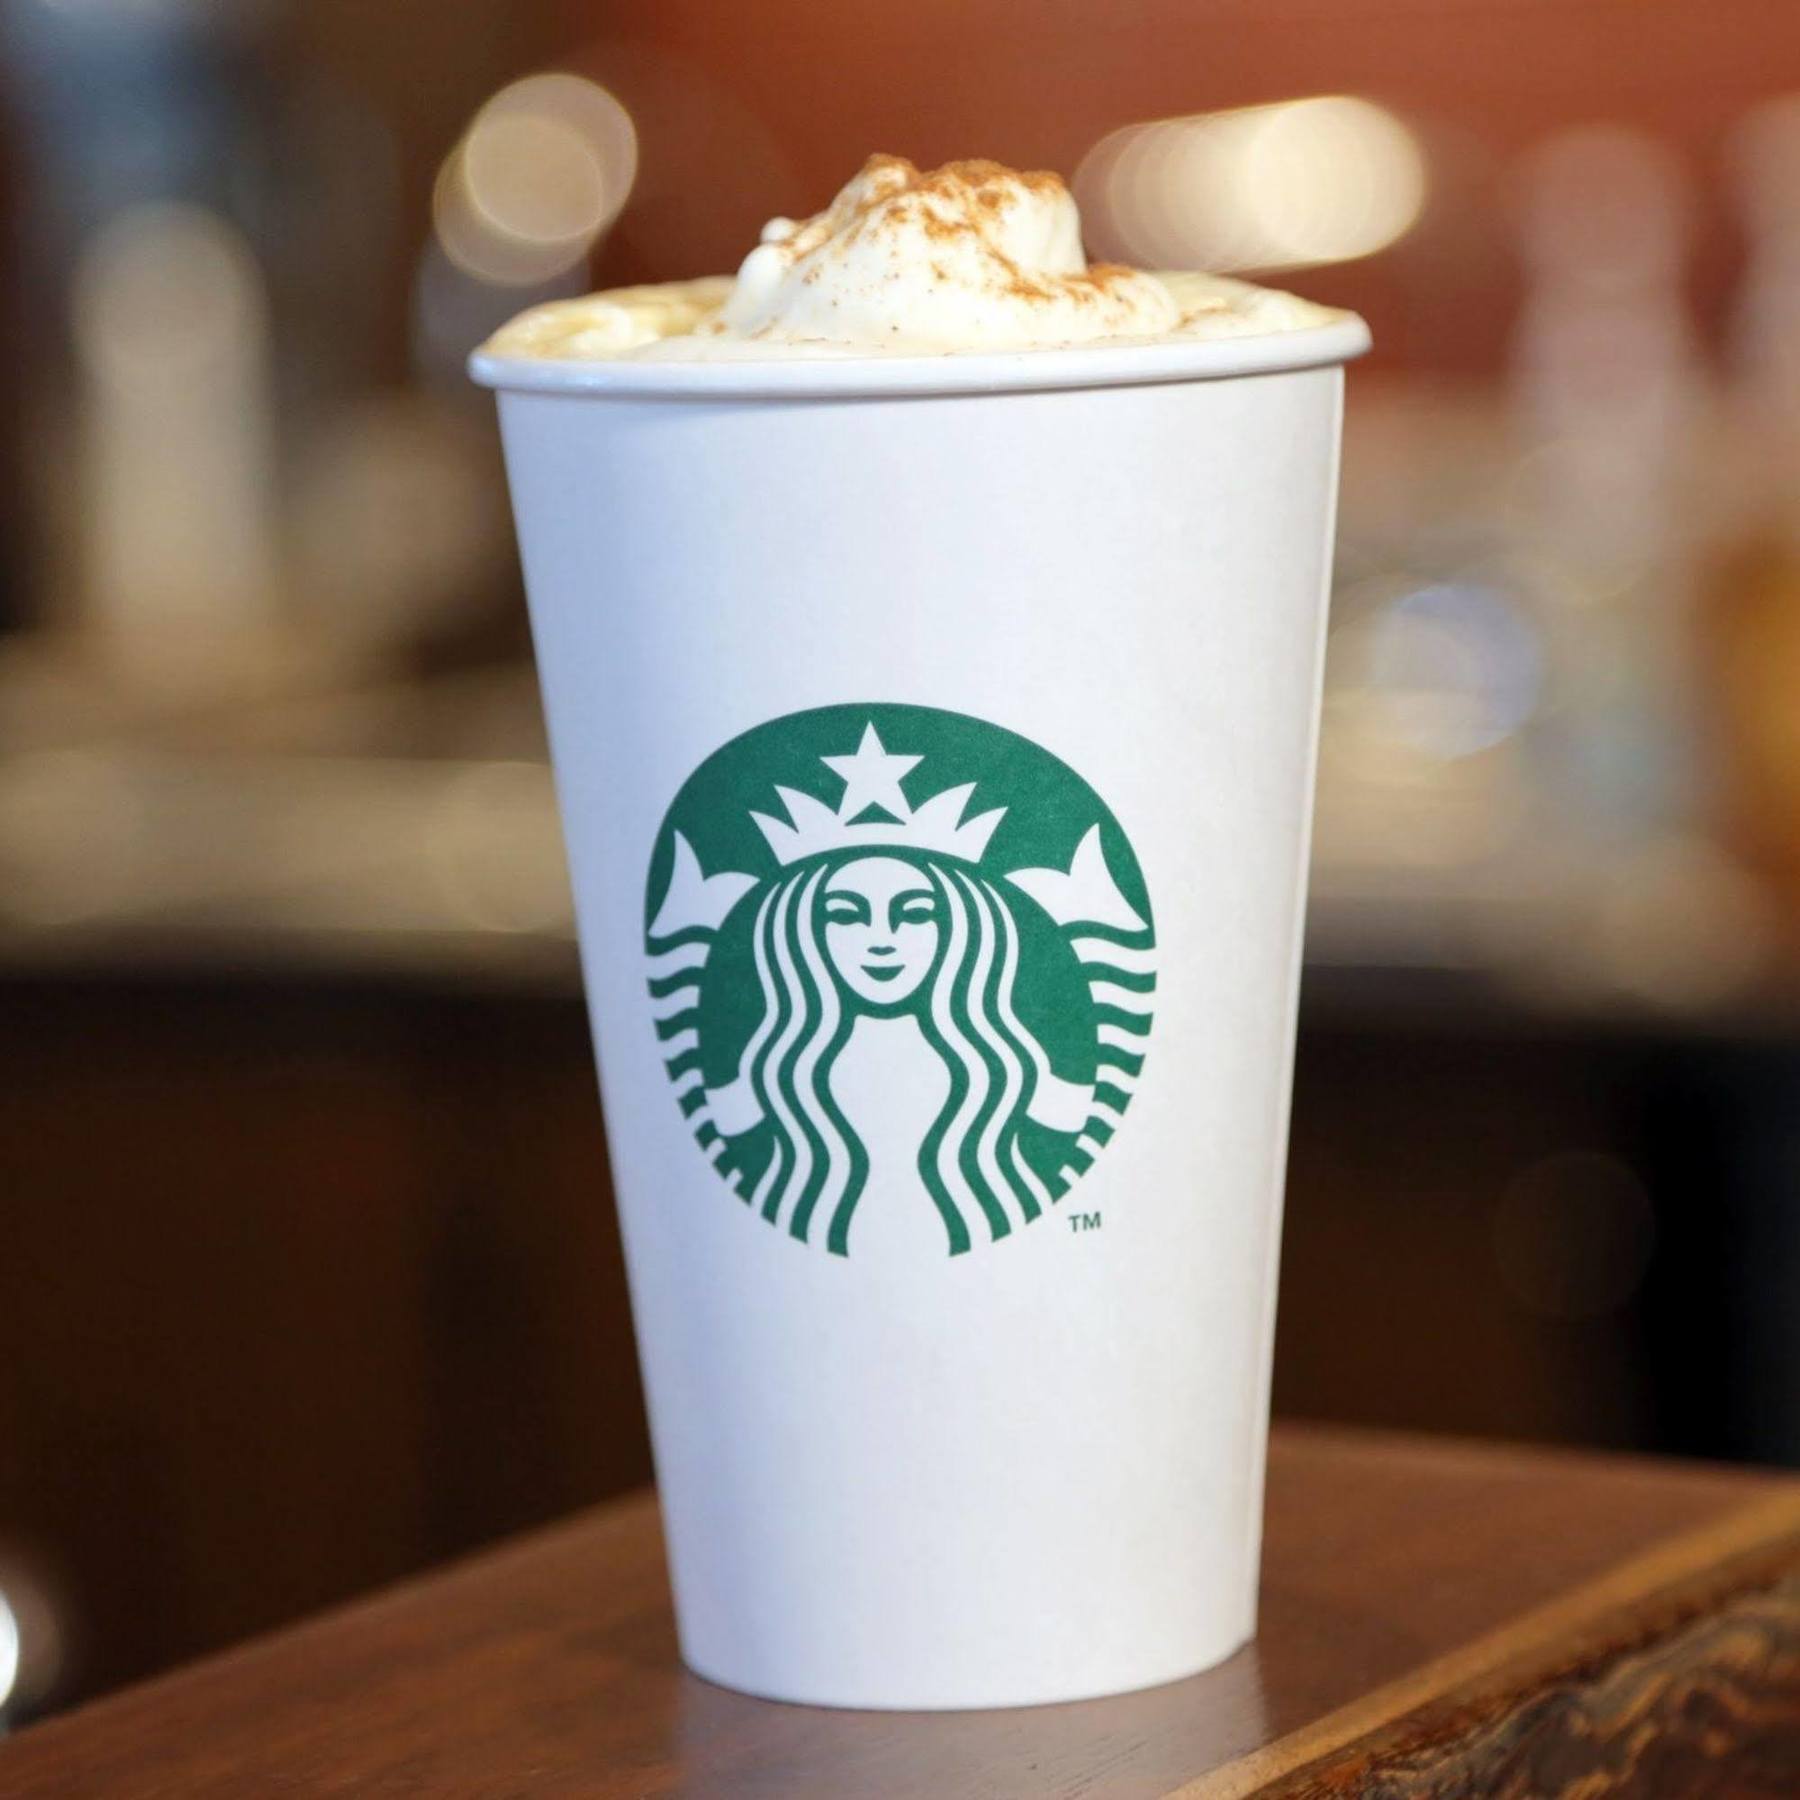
x,y
1436,1620
1714,1707
1675,1672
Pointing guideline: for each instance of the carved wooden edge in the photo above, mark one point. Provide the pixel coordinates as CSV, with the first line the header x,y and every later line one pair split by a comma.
x,y
1713,1707
1684,1656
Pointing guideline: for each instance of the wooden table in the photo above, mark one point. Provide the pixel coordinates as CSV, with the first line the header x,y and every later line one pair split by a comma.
x,y
1437,1620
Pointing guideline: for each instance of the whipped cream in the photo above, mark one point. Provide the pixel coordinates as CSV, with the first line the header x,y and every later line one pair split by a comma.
x,y
967,258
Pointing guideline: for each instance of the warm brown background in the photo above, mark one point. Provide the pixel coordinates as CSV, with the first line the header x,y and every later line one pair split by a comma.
x,y
1038,84
319,1284
747,110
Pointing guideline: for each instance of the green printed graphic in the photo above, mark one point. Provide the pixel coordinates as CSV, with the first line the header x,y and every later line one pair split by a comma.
x,y
859,883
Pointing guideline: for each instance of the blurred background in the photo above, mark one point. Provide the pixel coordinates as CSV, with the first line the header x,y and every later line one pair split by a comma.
x,y
308,1269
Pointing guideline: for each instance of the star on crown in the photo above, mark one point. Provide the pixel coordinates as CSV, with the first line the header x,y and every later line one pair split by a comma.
x,y
874,811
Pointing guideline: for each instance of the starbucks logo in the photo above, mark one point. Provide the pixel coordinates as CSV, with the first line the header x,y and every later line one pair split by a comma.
x,y
902,964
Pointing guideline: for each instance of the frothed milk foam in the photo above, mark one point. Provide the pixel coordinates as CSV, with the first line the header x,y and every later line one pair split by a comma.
x,y
969,257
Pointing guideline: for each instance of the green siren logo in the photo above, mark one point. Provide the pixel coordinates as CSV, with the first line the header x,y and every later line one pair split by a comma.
x,y
901,963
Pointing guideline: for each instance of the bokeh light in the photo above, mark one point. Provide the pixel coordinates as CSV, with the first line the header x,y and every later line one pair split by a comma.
x,y
1764,160
1441,670
1602,205
166,290
542,171
1285,186
9,1650
1461,667
176,432
32,1635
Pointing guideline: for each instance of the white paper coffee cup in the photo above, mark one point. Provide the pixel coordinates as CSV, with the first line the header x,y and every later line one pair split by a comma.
x,y
934,741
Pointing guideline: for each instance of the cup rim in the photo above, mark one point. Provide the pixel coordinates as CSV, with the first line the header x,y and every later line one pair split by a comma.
x,y
1339,339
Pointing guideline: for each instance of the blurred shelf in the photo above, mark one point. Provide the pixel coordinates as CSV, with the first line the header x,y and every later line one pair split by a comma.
x,y
408,831
451,869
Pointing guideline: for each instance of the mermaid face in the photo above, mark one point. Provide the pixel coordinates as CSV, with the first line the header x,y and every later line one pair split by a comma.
x,y
881,928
